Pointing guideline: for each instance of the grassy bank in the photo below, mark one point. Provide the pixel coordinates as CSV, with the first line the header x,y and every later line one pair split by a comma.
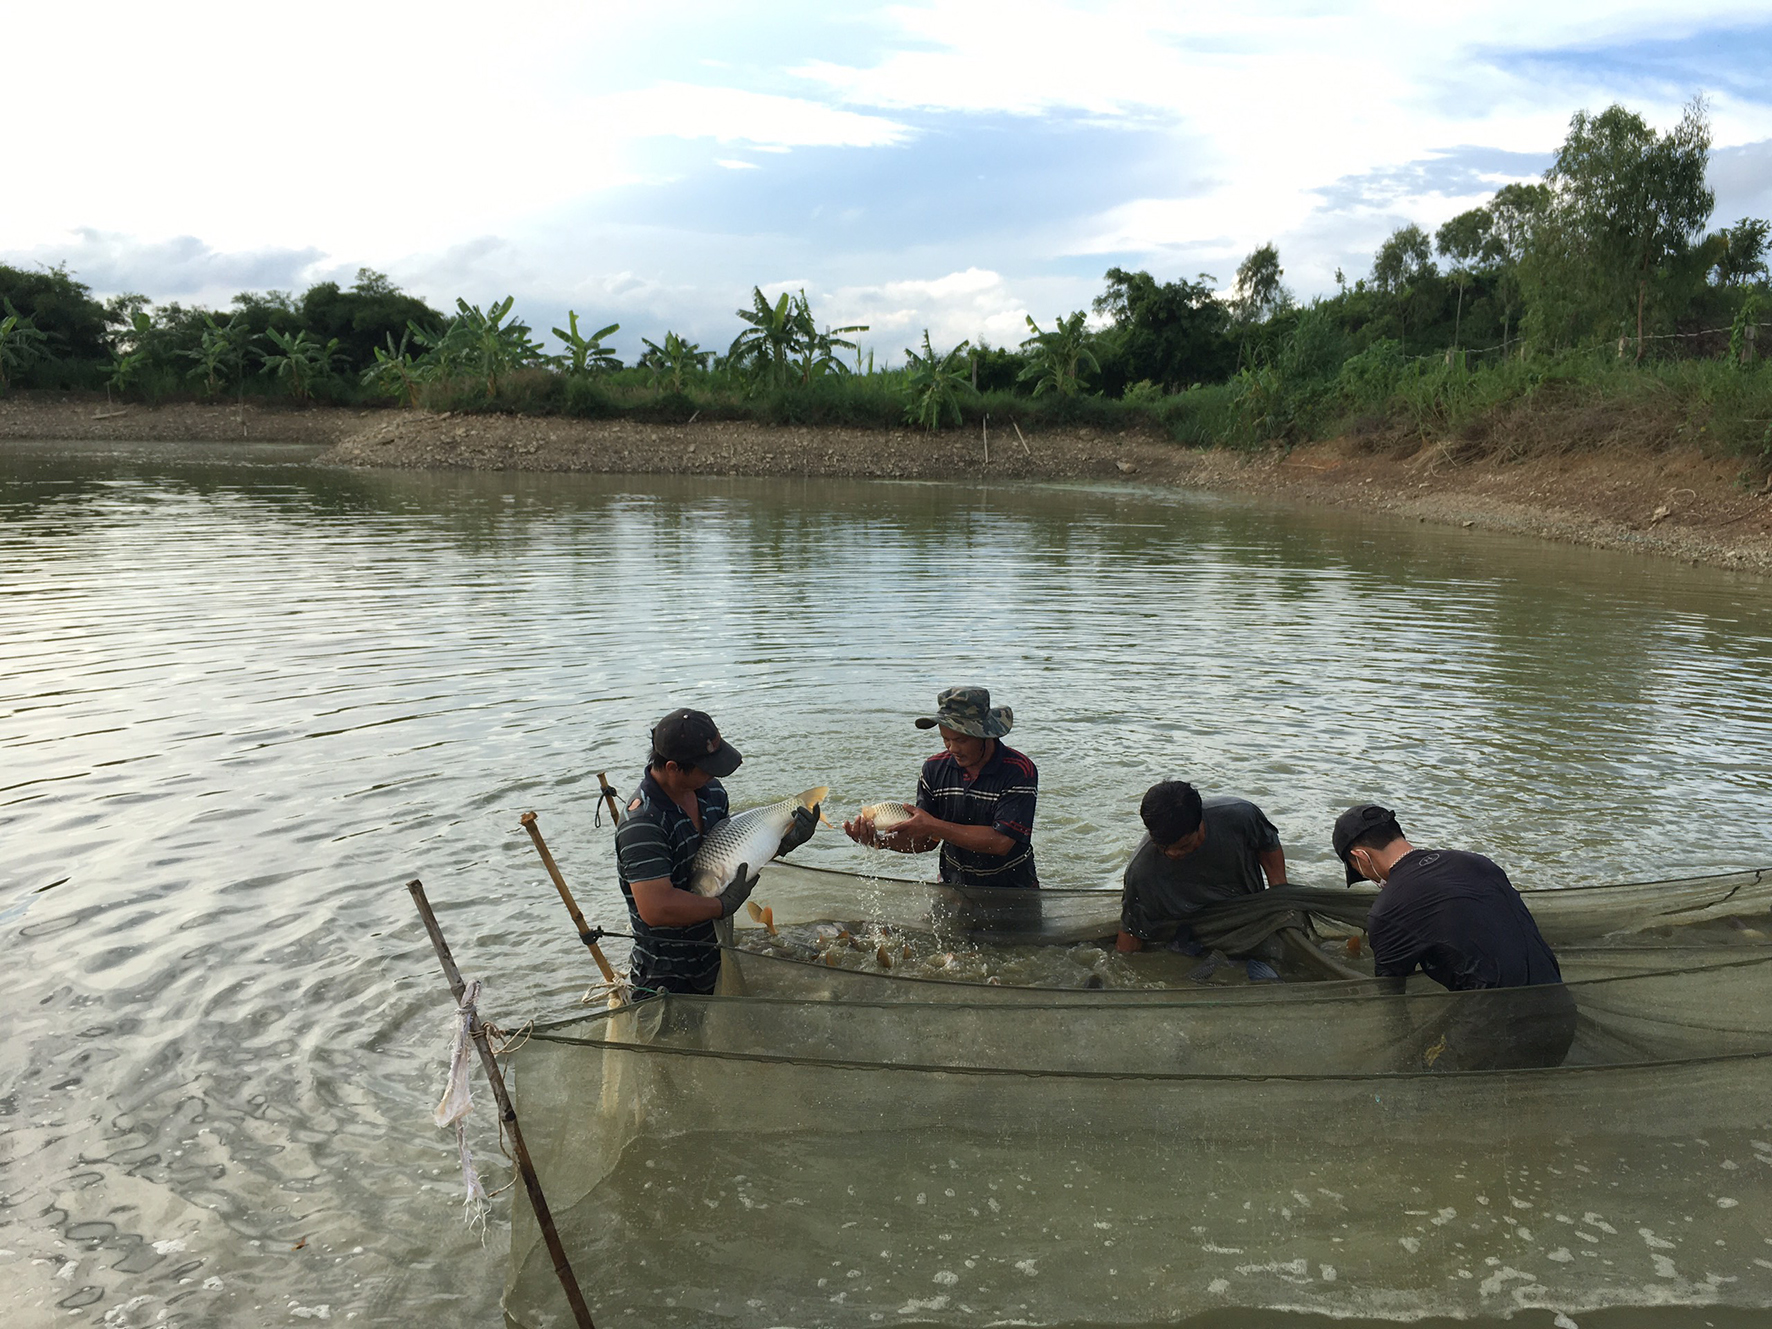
x,y
1579,400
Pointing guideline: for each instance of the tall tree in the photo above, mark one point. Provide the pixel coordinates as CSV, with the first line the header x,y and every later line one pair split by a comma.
x,y
1626,201
1743,255
1173,333
1259,293
1402,263
1468,242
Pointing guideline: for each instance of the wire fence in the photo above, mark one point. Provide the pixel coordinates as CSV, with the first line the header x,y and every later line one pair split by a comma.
x,y
1627,340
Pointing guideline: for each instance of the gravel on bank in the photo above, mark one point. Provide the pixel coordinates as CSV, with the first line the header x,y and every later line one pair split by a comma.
x,y
1674,501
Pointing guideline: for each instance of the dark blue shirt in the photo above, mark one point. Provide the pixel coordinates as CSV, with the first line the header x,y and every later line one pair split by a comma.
x,y
1002,797
1459,918
657,839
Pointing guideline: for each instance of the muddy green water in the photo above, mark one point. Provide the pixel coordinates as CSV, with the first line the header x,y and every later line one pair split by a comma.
x,y
243,700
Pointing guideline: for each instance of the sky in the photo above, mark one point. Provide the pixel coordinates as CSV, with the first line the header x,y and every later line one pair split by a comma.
x,y
950,166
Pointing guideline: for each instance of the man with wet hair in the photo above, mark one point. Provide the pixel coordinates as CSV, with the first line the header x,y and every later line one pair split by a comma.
x,y
975,798
1458,917
678,801
1197,851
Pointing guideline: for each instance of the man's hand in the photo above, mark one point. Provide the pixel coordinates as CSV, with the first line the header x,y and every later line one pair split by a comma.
x,y
912,836
733,897
861,830
805,822
1127,944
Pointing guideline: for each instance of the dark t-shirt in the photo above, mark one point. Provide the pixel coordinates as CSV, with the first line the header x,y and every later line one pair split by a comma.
x,y
1002,796
1459,918
656,839
1160,890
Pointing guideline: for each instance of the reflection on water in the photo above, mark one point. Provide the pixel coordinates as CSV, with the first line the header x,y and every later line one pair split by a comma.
x,y
244,700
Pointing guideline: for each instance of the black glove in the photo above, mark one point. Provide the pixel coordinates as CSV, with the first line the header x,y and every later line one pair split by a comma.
x,y
733,897
805,822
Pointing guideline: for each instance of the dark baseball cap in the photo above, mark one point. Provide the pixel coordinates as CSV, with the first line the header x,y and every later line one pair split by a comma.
x,y
690,738
1351,825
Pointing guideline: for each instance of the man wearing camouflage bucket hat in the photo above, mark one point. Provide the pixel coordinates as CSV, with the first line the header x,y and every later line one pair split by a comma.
x,y
975,798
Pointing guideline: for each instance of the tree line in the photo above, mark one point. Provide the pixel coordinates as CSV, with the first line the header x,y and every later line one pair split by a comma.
x,y
1610,251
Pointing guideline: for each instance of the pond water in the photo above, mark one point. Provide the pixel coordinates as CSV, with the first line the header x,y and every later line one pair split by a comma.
x,y
244,699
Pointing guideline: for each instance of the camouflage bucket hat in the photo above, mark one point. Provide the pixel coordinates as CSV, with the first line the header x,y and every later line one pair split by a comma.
x,y
969,711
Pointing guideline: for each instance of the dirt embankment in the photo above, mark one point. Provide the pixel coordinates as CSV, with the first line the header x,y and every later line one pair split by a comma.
x,y
1671,500
49,416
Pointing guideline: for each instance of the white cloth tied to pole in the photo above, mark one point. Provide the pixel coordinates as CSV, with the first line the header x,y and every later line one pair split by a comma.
x,y
458,1098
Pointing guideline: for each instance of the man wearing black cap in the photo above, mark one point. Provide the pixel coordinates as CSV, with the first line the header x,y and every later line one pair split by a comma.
x,y
975,798
680,799
1459,918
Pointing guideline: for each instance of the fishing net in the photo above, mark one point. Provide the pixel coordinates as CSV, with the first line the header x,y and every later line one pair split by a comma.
x,y
834,935
763,1162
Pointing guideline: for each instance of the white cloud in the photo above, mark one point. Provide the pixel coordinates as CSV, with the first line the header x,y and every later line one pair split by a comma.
x,y
1275,102
732,115
972,304
732,165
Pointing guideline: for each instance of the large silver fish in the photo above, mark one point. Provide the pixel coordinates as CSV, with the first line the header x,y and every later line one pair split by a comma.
x,y
750,837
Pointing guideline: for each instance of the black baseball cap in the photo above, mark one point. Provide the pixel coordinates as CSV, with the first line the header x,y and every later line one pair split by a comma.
x,y
690,738
1351,825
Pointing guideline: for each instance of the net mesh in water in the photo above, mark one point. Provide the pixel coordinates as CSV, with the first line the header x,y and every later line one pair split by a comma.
x,y
839,936
764,1162
1056,916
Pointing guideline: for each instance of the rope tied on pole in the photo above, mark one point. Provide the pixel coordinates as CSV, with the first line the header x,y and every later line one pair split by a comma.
x,y
611,796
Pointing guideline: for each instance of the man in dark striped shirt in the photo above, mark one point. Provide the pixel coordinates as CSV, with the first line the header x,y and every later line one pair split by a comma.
x,y
975,798
679,800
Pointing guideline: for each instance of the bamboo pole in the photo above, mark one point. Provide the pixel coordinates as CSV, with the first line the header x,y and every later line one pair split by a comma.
x,y
1020,439
507,1114
588,937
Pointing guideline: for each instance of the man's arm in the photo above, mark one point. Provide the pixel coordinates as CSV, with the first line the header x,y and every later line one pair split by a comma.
x,y
1273,865
1129,942
932,831
662,905
861,830
1392,954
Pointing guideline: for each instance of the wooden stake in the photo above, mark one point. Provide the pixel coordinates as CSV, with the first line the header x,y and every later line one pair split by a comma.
x,y
507,1114
1024,442
578,920
987,440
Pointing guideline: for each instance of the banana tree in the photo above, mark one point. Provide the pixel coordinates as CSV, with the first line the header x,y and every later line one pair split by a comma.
x,y
486,346
21,343
586,355
934,383
1057,358
670,362
765,351
395,373
300,361
221,350
818,350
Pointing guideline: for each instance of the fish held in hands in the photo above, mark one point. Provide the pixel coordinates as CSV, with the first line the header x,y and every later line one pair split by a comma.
x,y
886,817
751,838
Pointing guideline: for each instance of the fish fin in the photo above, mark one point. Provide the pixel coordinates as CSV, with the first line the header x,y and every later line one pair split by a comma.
x,y
813,797
754,909
768,916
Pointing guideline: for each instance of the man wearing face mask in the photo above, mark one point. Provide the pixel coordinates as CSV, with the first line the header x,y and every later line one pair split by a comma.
x,y
1458,917
975,798
1197,852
